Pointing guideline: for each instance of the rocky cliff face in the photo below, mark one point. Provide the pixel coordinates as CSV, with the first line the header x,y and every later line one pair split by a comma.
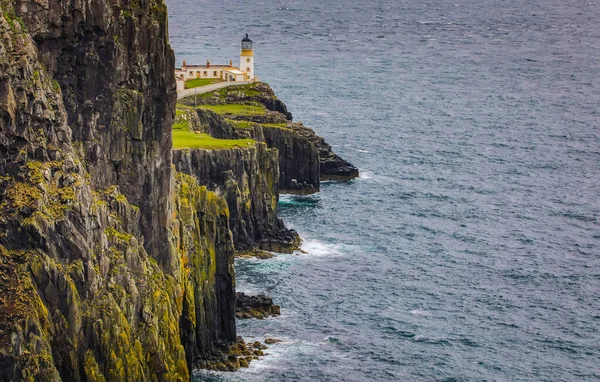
x,y
304,157
247,179
110,268
113,266
113,64
205,251
298,158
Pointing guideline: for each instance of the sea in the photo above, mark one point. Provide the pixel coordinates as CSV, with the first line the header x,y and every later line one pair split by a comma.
x,y
469,247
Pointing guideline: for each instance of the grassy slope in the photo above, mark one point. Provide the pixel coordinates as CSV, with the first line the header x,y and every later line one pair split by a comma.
x,y
196,82
236,109
185,139
240,124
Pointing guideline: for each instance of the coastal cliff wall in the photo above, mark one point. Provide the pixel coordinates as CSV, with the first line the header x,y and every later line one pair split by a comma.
x,y
111,268
247,179
113,64
304,157
298,158
113,265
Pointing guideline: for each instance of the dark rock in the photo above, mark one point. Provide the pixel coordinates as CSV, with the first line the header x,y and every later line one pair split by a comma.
x,y
110,268
255,306
304,157
233,357
256,253
270,341
247,178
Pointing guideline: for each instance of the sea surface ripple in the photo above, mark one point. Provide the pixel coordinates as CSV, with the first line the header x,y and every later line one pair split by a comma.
x,y
469,248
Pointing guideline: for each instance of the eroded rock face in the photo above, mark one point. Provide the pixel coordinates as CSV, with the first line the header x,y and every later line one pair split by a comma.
x,y
331,165
304,157
205,250
110,268
114,66
247,179
298,159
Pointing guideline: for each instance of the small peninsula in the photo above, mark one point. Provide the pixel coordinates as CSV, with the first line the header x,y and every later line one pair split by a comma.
x,y
122,208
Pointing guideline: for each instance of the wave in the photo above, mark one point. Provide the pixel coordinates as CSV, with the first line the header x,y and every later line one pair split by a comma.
x,y
420,312
315,248
299,200
365,175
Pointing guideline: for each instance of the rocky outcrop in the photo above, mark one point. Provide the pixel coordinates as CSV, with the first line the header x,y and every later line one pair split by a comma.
x,y
210,123
331,166
298,156
247,179
110,268
257,93
298,160
237,356
255,306
304,157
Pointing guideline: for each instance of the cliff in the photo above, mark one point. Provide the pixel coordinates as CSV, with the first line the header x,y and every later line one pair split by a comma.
x,y
247,179
253,111
110,268
116,253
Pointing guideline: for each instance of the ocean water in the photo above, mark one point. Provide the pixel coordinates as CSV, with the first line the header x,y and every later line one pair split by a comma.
x,y
469,248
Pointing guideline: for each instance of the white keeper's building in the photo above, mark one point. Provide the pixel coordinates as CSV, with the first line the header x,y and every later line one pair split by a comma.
x,y
245,72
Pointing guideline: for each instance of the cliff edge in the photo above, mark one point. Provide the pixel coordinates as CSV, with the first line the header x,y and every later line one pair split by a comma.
x,y
254,111
116,252
111,267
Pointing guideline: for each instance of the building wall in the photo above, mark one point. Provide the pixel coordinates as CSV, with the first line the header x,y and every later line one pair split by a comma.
x,y
221,73
247,65
180,84
190,73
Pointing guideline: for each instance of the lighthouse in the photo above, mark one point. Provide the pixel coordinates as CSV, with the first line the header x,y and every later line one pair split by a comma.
x,y
247,58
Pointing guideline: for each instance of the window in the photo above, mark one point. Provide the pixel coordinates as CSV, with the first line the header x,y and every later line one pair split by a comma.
x,y
215,73
248,60
205,73
247,69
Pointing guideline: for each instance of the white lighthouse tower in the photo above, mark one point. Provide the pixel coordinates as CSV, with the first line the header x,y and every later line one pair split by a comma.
x,y
247,58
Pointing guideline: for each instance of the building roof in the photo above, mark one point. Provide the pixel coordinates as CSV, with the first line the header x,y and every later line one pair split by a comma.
x,y
234,71
246,39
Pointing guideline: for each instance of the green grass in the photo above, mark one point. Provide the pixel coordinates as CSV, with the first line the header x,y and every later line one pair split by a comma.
x,y
184,125
277,125
247,90
196,82
240,124
237,109
183,139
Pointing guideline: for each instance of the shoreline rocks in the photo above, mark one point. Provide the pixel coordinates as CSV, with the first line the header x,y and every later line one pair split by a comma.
x,y
235,356
258,307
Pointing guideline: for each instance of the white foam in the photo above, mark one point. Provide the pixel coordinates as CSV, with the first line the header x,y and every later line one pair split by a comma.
x,y
247,288
365,175
286,198
420,312
279,353
315,248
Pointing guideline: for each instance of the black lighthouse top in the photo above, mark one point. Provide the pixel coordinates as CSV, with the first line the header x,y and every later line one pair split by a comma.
x,y
246,43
